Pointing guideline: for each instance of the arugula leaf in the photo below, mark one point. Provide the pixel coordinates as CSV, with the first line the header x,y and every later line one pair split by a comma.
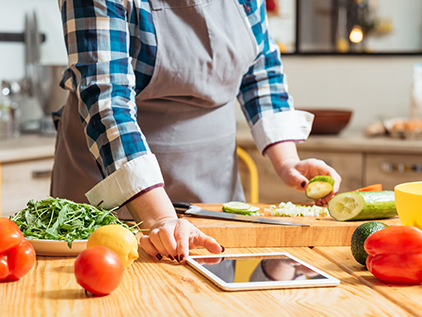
x,y
63,219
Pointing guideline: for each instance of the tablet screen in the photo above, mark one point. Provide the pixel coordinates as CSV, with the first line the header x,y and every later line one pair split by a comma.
x,y
260,270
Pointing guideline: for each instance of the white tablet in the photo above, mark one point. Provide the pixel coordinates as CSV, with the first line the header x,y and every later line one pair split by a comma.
x,y
259,271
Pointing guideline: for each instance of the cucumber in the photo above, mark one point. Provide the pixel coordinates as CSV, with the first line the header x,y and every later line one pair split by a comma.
x,y
237,207
362,205
319,187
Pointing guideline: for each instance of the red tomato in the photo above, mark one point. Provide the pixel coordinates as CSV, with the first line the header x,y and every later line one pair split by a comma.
x,y
99,270
4,267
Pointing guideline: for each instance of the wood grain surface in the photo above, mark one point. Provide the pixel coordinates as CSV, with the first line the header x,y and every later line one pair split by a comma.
x,y
405,295
164,288
323,231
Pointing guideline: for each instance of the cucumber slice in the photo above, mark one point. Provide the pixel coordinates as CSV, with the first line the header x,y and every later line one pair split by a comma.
x,y
236,207
362,205
319,187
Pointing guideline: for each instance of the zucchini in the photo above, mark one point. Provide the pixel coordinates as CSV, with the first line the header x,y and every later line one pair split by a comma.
x,y
319,187
362,205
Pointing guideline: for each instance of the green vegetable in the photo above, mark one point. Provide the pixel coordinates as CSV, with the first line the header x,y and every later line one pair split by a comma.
x,y
236,207
359,236
319,187
62,219
362,205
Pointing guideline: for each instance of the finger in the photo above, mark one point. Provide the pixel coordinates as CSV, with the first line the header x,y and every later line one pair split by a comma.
x,y
167,238
155,239
296,180
149,248
202,240
182,234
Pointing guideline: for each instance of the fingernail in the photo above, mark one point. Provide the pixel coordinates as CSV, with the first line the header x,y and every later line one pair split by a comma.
x,y
222,248
159,256
170,257
303,184
177,258
181,257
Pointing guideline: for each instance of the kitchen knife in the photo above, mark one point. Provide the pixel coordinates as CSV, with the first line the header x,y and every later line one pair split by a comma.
x,y
193,210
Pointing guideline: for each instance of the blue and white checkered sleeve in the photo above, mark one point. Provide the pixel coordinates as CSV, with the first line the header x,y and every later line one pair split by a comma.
x,y
264,96
97,40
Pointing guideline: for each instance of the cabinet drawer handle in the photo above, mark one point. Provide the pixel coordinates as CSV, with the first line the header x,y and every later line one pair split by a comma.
x,y
401,168
41,174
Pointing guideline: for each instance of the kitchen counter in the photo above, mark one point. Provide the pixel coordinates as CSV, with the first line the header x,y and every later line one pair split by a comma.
x,y
346,141
164,288
26,147
33,146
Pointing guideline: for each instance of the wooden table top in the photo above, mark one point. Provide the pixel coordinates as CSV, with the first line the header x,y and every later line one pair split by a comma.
x,y
164,288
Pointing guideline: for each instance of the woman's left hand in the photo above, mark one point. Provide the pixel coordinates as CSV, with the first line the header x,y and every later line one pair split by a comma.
x,y
296,173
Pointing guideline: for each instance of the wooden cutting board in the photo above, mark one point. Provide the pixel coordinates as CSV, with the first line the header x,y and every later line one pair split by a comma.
x,y
323,231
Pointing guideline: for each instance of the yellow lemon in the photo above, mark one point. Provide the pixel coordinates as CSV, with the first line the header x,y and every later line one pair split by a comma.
x,y
117,238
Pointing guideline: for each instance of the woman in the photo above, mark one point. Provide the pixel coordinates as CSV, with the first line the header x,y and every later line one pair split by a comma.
x,y
152,86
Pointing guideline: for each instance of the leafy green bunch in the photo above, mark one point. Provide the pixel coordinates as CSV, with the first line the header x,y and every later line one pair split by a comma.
x,y
62,219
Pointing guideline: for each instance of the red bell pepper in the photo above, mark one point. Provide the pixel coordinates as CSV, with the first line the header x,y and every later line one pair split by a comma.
x,y
17,256
395,254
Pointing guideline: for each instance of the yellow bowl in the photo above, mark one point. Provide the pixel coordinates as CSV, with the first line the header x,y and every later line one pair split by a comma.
x,y
408,197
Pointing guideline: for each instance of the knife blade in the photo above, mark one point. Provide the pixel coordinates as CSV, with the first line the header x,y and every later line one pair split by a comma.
x,y
183,208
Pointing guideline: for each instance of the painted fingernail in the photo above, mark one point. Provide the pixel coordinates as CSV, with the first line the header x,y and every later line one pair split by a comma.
x,y
222,248
170,257
303,184
181,257
159,256
177,258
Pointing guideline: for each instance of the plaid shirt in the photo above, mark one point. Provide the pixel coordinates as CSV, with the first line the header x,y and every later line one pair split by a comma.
x,y
112,49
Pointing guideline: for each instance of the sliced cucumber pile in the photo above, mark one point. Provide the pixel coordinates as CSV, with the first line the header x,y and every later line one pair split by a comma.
x,y
362,205
237,207
319,187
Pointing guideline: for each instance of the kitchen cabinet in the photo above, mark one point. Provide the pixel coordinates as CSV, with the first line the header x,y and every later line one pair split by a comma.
x,y
25,169
23,181
360,161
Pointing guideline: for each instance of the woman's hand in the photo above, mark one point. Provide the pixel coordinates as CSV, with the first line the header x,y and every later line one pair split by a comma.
x,y
174,238
296,173
168,236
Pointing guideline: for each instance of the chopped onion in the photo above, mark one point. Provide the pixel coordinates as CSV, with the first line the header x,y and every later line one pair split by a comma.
x,y
291,210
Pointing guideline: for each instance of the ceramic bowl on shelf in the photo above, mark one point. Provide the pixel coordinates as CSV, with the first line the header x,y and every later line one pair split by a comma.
x,y
329,121
408,197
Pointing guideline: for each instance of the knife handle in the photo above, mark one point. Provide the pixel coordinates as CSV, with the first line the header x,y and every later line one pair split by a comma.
x,y
181,207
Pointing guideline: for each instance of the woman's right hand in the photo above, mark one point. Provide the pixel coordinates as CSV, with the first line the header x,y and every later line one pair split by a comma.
x,y
169,235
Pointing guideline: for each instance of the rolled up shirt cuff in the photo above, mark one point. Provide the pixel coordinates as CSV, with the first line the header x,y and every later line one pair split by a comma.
x,y
132,178
292,125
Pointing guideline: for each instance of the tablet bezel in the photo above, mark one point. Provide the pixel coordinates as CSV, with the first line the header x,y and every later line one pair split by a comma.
x,y
329,280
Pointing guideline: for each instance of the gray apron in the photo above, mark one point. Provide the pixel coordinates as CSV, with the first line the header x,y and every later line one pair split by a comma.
x,y
187,110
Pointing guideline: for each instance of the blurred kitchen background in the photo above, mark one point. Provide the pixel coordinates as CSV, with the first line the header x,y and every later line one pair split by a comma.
x,y
362,56
375,85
